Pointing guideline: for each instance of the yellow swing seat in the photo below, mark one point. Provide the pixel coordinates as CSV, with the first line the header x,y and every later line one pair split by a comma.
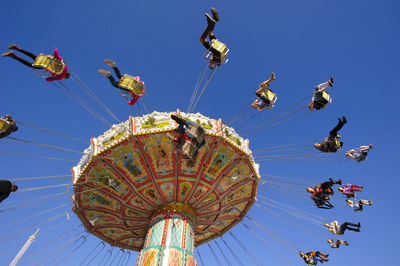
x,y
50,64
269,98
321,100
222,50
3,126
132,84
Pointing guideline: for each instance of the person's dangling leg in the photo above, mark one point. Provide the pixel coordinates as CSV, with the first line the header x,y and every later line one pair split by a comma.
x,y
208,31
328,184
179,120
23,61
360,204
30,54
113,82
367,202
114,67
357,188
323,87
338,127
265,84
345,225
365,148
117,72
328,205
111,79
319,253
338,182
318,259
214,13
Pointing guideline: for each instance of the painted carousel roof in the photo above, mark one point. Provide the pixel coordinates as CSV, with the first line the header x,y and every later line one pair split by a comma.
x,y
133,170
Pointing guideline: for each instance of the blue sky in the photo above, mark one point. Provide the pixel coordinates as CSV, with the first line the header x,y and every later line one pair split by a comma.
x,y
303,42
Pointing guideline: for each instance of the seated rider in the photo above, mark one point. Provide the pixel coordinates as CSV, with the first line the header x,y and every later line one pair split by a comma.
x,y
307,258
317,95
322,192
6,187
335,243
314,257
337,229
349,190
116,84
190,137
7,126
332,143
262,102
360,154
216,59
63,75
358,205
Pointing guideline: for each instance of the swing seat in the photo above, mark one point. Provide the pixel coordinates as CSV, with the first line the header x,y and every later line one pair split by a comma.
x,y
321,100
3,126
328,146
195,131
192,140
269,98
222,50
132,84
50,64
187,149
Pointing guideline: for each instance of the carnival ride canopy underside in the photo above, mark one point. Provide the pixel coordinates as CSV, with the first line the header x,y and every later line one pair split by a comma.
x,y
133,171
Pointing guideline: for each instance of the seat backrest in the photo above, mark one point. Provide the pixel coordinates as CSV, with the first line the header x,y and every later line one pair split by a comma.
x,y
49,63
221,48
132,84
268,97
321,100
188,148
195,130
4,126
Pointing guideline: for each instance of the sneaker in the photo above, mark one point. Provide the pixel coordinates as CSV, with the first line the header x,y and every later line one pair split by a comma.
x,y
331,81
214,14
344,120
346,243
273,76
104,72
110,63
210,20
13,46
370,202
358,225
10,54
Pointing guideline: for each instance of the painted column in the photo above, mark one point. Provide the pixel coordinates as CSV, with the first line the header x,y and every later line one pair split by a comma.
x,y
169,240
